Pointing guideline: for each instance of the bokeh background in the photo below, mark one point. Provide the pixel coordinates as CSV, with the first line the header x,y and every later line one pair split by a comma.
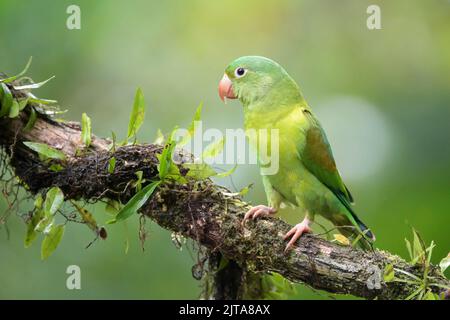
x,y
383,97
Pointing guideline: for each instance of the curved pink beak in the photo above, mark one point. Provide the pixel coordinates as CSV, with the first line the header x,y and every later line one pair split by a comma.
x,y
226,89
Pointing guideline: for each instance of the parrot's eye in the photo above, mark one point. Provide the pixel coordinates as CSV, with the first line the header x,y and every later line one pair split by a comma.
x,y
240,72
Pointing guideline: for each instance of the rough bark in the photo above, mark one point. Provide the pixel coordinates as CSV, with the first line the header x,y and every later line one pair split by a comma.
x,y
200,210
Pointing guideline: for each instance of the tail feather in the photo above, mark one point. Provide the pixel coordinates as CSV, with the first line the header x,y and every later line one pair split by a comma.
x,y
363,242
367,234
353,228
365,230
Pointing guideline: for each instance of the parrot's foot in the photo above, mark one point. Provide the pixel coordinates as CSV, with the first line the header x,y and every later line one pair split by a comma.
x,y
258,211
296,232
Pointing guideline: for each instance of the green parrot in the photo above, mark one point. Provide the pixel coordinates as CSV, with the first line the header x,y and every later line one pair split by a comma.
x,y
307,176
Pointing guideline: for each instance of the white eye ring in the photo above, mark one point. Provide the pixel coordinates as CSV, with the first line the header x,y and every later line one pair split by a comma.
x,y
240,72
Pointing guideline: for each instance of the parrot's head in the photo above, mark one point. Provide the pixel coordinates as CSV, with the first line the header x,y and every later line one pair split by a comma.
x,y
252,78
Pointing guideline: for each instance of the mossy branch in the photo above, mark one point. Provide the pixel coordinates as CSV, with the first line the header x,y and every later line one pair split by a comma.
x,y
201,210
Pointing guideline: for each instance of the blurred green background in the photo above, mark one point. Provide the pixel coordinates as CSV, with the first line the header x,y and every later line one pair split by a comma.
x,y
383,97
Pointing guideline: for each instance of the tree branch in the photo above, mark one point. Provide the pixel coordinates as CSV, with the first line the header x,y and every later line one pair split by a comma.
x,y
200,210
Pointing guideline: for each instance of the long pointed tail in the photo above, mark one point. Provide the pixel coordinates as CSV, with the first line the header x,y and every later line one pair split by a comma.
x,y
353,228
363,242
352,219
364,229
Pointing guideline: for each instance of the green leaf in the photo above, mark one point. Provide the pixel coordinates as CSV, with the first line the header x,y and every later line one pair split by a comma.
x,y
282,284
56,167
341,239
430,296
389,273
38,202
173,172
445,263
23,103
52,240
45,150
226,173
409,248
112,206
429,252
31,120
31,232
137,114
45,101
44,223
159,137
14,111
199,171
165,160
191,128
111,165
86,131
6,99
245,190
53,201
114,139
140,180
135,203
418,248
276,287
37,216
214,149
10,79
33,85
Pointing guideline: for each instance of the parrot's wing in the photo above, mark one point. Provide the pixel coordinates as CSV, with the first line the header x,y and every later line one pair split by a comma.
x,y
317,157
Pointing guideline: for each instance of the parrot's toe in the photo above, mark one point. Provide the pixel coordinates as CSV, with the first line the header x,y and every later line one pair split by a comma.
x,y
258,211
296,232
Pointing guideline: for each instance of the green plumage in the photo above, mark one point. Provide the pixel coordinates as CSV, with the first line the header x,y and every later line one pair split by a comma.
x,y
307,177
